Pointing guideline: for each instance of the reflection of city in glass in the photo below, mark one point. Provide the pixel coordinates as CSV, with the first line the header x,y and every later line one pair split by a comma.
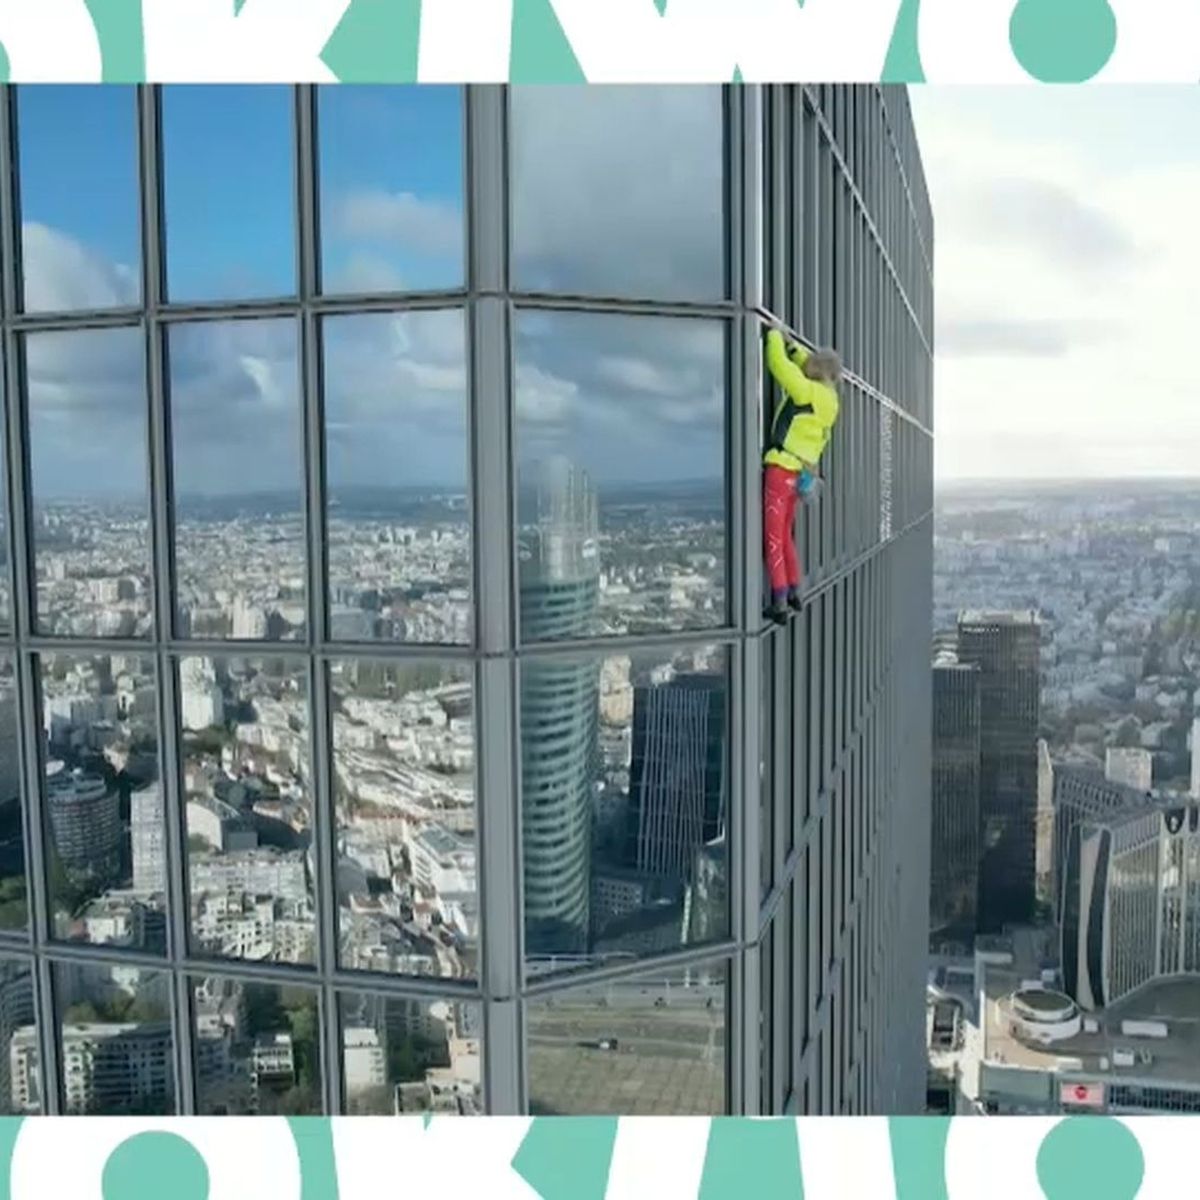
x,y
247,790
403,744
622,763
645,442
14,908
91,529
396,462
256,1047
115,1041
102,800
410,1056
20,1065
646,1046
373,580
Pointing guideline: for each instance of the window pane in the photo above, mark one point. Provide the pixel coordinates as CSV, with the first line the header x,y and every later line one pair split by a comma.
x,y
396,438
229,191
410,1056
638,213
256,1047
20,1069
80,222
239,483
88,452
14,912
621,460
248,808
391,175
115,1040
623,778
101,779
403,737
652,1046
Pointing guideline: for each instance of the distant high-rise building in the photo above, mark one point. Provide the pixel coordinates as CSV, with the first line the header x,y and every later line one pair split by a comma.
x,y
85,820
559,585
954,850
10,764
1082,794
249,620
1044,850
677,773
200,698
1129,765
148,842
1006,648
1131,900
16,1012
107,1068
1195,789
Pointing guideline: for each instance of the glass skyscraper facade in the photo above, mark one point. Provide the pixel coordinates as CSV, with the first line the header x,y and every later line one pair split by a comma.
x,y
387,718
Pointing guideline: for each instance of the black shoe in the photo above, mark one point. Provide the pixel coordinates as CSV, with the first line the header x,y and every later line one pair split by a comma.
x,y
778,613
795,602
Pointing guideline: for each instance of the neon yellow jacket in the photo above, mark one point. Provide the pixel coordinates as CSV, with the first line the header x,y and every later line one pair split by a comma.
x,y
805,417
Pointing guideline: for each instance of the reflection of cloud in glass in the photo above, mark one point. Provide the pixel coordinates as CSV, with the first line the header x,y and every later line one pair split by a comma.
x,y
396,392
632,399
87,413
639,214
79,197
235,407
391,178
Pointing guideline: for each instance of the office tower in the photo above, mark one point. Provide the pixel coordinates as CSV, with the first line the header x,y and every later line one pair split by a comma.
x,y
527,445
559,586
1195,740
1131,901
954,849
146,828
1005,648
200,697
677,791
1130,766
1044,853
84,819
1081,796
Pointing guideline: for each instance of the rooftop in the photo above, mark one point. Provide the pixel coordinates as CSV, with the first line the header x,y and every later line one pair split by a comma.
x,y
1175,1002
977,616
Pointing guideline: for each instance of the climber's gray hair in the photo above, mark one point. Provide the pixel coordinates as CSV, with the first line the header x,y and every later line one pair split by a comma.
x,y
824,365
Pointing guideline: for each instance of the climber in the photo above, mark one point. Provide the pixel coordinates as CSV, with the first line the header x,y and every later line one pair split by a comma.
x,y
799,432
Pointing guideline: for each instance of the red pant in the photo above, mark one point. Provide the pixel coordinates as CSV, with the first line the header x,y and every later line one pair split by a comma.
x,y
779,515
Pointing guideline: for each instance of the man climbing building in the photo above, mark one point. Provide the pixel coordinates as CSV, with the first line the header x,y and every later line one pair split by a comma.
x,y
799,433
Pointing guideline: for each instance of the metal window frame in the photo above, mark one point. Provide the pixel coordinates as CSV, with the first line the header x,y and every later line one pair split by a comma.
x,y
832,152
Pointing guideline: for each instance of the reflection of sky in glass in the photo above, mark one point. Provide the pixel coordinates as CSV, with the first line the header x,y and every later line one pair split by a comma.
x,y
79,197
87,414
629,399
618,191
229,191
235,407
395,400
391,177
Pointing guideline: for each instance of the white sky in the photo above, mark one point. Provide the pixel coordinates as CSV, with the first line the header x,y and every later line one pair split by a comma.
x,y
1067,261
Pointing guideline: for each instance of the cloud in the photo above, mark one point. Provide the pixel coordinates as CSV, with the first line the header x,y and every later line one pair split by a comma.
x,y
62,274
1060,225
630,398
1003,337
400,218
1053,254
618,191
